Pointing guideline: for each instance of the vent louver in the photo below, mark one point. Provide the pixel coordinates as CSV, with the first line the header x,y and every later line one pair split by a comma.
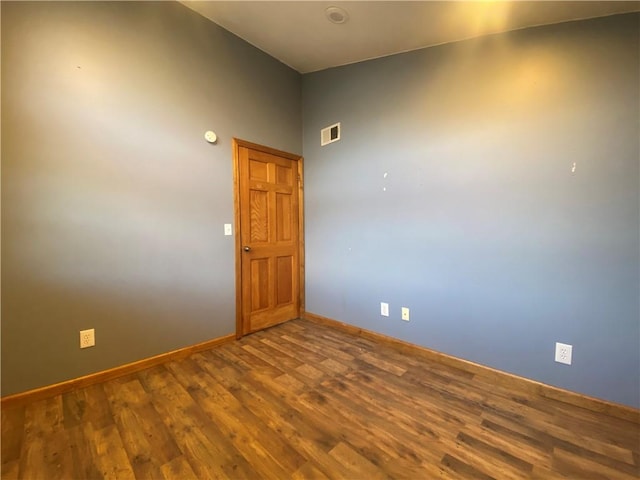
x,y
330,134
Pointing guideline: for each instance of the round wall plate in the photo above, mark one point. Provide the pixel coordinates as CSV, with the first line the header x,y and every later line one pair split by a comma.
x,y
210,137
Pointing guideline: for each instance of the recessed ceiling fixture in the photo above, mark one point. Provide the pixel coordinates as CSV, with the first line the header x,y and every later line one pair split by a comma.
x,y
336,15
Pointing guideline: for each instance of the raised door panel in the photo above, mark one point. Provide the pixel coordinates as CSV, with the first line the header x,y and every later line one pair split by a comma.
x,y
259,216
284,224
284,280
259,284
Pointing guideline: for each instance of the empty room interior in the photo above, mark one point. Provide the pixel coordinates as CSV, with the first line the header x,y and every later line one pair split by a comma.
x,y
319,240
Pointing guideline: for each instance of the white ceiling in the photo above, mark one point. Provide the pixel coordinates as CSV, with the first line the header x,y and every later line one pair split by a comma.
x,y
299,35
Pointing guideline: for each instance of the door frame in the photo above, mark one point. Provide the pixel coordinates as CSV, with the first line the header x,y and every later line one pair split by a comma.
x,y
236,144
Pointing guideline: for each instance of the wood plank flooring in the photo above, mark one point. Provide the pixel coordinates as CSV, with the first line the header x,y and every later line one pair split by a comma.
x,y
305,401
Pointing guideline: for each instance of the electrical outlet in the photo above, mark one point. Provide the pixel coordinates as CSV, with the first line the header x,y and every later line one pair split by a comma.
x,y
405,314
564,353
87,338
384,309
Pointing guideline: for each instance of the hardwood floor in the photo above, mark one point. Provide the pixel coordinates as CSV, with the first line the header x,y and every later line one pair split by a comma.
x,y
302,400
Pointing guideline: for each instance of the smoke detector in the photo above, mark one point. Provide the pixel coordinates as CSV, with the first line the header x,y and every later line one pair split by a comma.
x,y
336,15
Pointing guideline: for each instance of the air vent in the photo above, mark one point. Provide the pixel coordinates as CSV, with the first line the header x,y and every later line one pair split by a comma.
x,y
330,134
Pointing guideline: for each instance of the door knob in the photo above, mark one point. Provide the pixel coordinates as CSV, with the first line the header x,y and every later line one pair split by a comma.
x,y
247,249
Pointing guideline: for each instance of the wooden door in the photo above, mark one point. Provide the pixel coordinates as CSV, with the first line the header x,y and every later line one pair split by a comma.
x,y
268,236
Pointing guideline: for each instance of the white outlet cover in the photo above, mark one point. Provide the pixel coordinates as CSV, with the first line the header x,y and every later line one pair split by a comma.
x,y
564,353
87,338
384,309
405,314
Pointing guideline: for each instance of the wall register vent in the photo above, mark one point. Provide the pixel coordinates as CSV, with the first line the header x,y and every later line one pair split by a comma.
x,y
330,134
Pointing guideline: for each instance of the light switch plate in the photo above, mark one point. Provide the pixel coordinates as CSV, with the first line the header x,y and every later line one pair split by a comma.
x,y
227,229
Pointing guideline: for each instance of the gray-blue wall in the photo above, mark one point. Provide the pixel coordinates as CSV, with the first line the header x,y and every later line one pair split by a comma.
x,y
113,204
485,231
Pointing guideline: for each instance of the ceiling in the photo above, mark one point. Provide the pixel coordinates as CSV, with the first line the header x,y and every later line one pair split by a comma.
x,y
299,34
